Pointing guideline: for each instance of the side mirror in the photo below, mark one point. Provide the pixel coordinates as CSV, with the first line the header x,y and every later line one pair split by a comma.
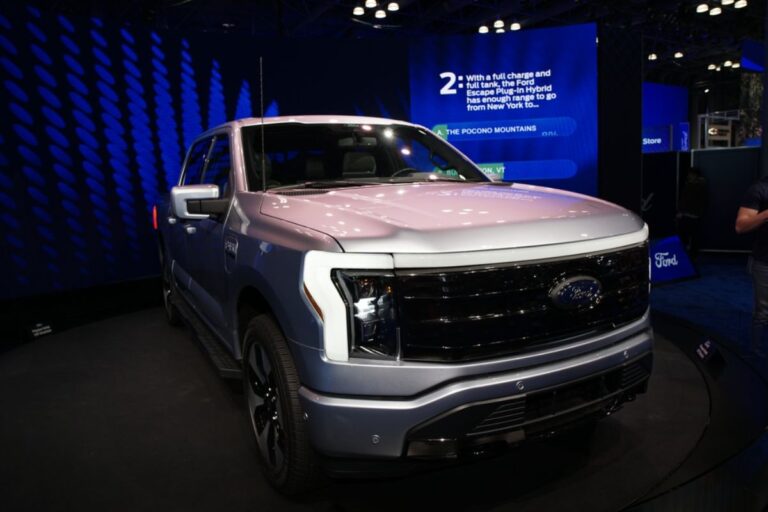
x,y
197,201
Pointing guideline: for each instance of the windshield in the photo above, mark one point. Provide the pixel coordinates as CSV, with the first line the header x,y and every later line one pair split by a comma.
x,y
329,155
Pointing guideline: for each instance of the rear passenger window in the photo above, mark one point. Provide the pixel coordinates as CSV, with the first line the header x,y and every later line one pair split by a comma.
x,y
219,165
196,161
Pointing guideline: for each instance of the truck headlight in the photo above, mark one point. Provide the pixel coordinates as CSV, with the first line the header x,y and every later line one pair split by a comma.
x,y
371,312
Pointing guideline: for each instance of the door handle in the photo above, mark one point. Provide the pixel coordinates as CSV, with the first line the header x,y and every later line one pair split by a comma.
x,y
191,230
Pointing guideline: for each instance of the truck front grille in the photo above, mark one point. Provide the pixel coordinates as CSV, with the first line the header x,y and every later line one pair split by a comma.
x,y
466,314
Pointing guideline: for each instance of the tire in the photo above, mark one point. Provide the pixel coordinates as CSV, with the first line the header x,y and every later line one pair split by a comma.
x,y
172,314
271,387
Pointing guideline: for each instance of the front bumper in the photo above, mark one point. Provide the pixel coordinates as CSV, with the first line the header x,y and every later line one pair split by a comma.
x,y
371,427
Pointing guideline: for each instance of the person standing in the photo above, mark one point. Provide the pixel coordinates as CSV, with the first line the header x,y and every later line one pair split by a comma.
x,y
752,217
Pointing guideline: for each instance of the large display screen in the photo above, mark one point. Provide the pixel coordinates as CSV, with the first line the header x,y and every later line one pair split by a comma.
x,y
522,105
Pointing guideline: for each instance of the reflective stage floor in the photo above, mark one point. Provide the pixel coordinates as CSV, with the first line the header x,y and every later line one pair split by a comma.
x,y
127,414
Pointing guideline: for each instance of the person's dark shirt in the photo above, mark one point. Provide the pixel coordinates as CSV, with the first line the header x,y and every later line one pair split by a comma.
x,y
756,198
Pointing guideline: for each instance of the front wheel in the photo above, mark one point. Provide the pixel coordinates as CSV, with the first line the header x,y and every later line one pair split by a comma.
x,y
271,386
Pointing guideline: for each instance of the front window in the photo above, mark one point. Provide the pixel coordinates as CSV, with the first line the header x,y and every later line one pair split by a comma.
x,y
332,154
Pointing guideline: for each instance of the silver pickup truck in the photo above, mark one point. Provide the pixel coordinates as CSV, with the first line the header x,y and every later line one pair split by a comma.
x,y
382,299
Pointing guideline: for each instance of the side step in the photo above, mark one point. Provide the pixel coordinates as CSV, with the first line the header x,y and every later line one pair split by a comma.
x,y
227,365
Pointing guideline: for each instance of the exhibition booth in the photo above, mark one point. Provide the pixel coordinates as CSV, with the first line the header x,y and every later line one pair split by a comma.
x,y
108,406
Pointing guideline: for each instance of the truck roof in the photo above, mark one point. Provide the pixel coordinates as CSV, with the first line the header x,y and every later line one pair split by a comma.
x,y
315,119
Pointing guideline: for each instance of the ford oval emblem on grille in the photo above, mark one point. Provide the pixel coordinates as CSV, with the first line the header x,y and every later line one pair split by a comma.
x,y
577,292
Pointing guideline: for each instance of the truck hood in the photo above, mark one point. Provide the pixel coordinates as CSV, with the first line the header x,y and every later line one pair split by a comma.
x,y
445,217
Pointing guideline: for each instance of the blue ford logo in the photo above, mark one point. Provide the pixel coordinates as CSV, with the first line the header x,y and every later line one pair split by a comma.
x,y
577,292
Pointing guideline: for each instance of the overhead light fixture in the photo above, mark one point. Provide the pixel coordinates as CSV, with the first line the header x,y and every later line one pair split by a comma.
x,y
740,4
652,56
358,11
727,64
500,30
711,67
678,55
717,68
381,13
515,26
726,2
498,24
715,11
370,4
483,29
702,8
393,7
706,91
736,65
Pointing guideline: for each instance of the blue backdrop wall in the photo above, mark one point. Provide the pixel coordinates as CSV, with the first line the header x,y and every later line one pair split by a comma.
x,y
96,119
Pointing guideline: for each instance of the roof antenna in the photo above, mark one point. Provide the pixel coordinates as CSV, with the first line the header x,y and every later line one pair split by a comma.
x,y
261,99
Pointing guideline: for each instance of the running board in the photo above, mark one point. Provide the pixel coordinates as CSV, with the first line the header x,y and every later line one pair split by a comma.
x,y
227,365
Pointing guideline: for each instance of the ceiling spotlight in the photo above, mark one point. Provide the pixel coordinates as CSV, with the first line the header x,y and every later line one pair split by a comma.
x,y
711,67
736,65
483,29
717,68
393,6
499,30
370,4
515,26
726,2
358,11
715,11
706,90
740,4
727,64
652,56
498,24
381,13
702,8
678,55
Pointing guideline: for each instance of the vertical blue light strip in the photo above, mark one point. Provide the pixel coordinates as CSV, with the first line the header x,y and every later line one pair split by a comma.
x,y
67,183
9,208
244,107
138,117
90,163
115,135
32,151
191,120
167,128
216,110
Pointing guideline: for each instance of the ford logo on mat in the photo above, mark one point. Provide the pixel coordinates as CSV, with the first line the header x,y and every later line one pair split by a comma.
x,y
577,292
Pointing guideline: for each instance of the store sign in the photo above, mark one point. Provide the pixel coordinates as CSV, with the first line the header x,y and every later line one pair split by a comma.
x,y
656,139
669,260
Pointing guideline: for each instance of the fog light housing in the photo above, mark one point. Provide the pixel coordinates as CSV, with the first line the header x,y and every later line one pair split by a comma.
x,y
371,312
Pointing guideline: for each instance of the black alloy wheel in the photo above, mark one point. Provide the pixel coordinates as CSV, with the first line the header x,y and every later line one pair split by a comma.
x,y
271,387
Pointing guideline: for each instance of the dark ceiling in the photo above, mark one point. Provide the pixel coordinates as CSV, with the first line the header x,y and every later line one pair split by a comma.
x,y
666,26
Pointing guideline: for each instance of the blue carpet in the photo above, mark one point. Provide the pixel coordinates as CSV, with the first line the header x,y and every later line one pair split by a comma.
x,y
719,300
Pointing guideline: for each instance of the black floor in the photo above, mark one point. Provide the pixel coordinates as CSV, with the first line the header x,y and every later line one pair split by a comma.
x,y
127,414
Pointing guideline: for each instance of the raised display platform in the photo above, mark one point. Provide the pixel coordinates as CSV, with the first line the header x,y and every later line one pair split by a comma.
x,y
128,414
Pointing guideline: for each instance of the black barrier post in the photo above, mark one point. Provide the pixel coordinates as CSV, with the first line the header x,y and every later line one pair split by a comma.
x,y
764,105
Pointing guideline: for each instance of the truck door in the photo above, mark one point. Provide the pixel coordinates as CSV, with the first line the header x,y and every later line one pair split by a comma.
x,y
179,228
206,246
